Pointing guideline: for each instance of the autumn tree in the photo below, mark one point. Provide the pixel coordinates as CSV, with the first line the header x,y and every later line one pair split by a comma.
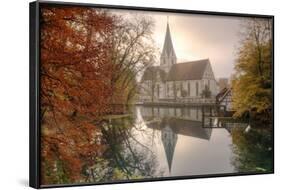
x,y
133,50
252,89
89,60
75,72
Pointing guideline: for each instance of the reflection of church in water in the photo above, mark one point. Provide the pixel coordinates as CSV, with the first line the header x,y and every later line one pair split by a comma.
x,y
169,139
172,124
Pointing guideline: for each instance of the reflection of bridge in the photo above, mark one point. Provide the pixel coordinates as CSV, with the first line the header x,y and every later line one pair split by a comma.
x,y
206,116
187,113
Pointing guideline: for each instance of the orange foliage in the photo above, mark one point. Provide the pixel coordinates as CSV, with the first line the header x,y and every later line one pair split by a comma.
x,y
75,88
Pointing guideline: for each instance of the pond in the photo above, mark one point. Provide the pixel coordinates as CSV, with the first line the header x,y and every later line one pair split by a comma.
x,y
169,141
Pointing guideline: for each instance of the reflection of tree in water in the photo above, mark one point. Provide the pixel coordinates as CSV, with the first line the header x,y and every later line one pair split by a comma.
x,y
125,157
253,150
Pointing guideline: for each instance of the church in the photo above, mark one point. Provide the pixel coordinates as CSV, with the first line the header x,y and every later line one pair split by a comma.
x,y
191,81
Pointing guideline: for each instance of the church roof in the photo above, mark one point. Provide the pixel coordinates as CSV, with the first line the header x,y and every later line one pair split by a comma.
x,y
192,70
151,73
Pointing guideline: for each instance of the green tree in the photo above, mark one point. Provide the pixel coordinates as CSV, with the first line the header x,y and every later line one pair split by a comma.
x,y
251,85
252,150
206,93
183,93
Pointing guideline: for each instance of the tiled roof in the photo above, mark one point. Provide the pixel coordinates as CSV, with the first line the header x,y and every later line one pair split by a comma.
x,y
222,94
192,70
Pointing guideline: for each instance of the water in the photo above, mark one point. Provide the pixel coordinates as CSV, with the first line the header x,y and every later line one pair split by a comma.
x,y
181,145
164,142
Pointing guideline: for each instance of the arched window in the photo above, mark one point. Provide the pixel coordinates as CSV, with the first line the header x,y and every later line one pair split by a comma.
x,y
197,89
188,89
181,89
167,85
158,90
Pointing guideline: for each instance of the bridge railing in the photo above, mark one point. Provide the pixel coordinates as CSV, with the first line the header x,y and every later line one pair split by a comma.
x,y
197,100
182,100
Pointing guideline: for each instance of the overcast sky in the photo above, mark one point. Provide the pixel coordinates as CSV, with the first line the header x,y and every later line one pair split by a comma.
x,y
198,37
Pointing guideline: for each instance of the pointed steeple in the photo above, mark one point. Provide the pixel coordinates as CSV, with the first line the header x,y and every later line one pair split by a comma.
x,y
169,140
168,56
168,49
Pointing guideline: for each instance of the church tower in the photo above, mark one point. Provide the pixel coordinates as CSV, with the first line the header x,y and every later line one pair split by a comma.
x,y
168,56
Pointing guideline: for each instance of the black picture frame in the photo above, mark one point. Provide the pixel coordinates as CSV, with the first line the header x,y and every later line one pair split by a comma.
x,y
34,94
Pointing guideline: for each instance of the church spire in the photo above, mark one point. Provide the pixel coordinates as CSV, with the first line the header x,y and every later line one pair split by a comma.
x,y
168,49
168,56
